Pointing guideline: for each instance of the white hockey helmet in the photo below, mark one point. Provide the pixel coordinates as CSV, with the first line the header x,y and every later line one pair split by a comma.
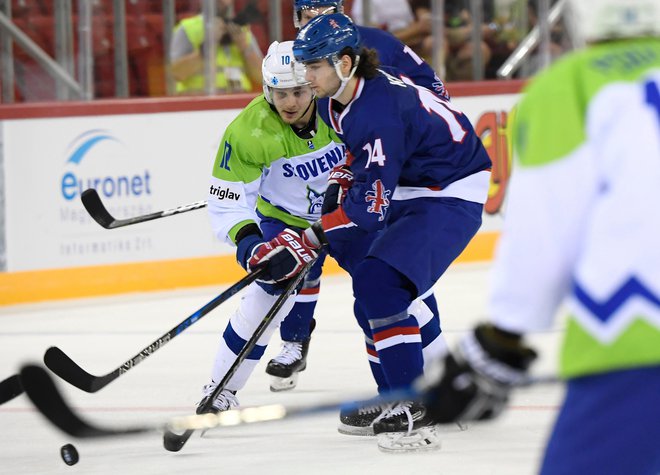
x,y
280,70
597,20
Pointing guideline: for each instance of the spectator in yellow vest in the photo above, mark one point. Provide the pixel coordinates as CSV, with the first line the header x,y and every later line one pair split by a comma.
x,y
238,57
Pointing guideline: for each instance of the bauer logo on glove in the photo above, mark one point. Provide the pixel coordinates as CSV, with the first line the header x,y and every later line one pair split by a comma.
x,y
340,181
283,256
298,248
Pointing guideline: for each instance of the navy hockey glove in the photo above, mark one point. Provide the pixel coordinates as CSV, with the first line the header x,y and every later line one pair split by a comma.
x,y
283,256
247,238
479,377
339,182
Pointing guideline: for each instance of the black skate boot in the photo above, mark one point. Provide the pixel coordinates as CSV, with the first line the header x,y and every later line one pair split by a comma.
x,y
406,427
284,368
361,421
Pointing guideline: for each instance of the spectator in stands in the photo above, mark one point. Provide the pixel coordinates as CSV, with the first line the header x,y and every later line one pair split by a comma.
x,y
459,49
238,57
395,16
559,43
389,15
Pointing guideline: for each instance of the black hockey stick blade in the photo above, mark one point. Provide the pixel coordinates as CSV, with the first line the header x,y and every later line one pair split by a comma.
x,y
10,388
175,442
97,210
63,366
41,389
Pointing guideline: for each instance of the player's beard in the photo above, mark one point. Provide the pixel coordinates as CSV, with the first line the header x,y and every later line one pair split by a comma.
x,y
331,89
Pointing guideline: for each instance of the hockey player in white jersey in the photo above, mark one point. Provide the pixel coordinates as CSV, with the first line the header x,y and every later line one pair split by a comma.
x,y
269,175
582,227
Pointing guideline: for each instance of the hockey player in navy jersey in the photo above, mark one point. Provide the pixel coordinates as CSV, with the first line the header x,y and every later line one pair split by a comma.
x,y
418,176
295,329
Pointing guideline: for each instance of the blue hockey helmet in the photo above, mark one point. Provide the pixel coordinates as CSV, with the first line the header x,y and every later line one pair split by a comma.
x,y
325,37
321,6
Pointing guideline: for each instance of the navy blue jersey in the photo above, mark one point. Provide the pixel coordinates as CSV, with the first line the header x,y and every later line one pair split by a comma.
x,y
393,53
404,142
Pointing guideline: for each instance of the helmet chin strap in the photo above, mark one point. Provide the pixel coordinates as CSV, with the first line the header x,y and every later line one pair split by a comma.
x,y
344,80
309,105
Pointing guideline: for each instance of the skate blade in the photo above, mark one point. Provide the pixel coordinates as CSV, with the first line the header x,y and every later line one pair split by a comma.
x,y
424,439
357,431
283,384
462,426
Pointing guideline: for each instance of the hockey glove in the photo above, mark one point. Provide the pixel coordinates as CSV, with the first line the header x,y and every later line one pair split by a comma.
x,y
283,256
339,182
478,378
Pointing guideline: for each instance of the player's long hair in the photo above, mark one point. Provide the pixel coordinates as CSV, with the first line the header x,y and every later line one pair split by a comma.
x,y
368,66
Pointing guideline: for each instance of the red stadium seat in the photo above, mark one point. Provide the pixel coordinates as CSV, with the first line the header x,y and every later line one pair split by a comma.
x,y
138,34
261,35
41,30
28,8
154,25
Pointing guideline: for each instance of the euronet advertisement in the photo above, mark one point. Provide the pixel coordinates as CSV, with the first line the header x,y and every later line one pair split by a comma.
x,y
138,164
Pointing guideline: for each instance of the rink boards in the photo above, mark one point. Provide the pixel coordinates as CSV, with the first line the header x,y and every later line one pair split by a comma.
x,y
145,156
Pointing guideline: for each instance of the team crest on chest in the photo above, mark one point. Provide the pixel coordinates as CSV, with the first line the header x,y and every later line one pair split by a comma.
x,y
310,144
378,197
315,201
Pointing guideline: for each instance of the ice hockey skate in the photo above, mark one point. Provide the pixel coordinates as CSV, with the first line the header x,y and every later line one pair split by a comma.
x,y
284,368
360,421
224,401
406,428
291,360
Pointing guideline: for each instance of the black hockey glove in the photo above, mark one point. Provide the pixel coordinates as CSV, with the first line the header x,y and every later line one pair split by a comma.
x,y
478,378
339,182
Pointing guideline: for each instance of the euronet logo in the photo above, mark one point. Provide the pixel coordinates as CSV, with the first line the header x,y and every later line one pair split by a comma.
x,y
73,185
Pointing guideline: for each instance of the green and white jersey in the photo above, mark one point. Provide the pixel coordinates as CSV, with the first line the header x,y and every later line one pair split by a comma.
x,y
263,165
582,216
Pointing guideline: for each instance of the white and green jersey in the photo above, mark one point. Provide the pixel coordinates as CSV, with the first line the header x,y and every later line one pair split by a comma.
x,y
583,213
263,165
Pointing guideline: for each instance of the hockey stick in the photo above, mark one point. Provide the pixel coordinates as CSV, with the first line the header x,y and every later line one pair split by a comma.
x,y
10,388
175,442
70,371
94,206
42,391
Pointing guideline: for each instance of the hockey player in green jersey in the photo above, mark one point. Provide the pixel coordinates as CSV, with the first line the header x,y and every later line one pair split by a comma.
x,y
582,227
270,174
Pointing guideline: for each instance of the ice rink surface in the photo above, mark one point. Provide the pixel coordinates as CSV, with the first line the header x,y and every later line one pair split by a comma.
x,y
100,334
